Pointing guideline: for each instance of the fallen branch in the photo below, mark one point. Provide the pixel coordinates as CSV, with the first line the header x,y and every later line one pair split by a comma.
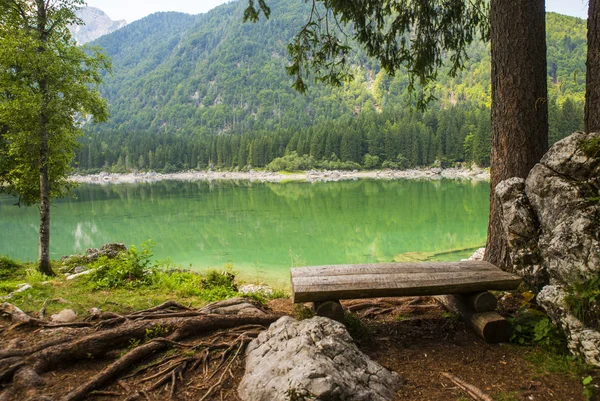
x,y
470,389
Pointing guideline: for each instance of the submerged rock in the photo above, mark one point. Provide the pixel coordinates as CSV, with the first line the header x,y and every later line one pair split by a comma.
x,y
553,231
314,359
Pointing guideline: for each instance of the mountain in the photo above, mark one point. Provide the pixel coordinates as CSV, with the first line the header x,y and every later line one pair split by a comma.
x,y
202,90
96,24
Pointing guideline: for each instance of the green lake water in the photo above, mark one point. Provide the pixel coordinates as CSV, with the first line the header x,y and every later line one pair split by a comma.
x,y
263,228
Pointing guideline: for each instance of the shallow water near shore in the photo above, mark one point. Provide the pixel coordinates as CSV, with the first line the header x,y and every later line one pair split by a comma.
x,y
263,229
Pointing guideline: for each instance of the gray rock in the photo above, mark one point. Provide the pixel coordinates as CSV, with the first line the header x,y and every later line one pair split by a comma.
x,y
108,250
64,316
553,231
477,255
314,359
565,158
79,269
521,228
582,340
95,312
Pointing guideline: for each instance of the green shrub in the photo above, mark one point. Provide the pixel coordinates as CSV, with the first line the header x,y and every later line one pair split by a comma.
x,y
184,283
338,165
219,279
390,164
532,327
589,390
215,285
217,294
129,269
292,162
583,299
169,168
370,162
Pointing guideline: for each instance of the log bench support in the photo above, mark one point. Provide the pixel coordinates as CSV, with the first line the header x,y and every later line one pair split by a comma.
x,y
479,312
331,309
462,287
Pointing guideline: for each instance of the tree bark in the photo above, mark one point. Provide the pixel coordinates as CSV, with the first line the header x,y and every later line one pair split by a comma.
x,y
44,239
519,102
592,80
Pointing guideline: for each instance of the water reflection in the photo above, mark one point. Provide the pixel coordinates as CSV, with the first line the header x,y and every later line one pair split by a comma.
x,y
261,228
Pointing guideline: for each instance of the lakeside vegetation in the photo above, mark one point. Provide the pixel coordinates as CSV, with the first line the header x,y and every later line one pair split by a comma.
x,y
131,281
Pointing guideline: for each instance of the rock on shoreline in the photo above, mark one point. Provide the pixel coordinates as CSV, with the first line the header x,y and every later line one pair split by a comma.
x,y
474,174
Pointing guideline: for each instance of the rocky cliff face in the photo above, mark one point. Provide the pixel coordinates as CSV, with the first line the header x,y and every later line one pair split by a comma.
x,y
552,226
97,24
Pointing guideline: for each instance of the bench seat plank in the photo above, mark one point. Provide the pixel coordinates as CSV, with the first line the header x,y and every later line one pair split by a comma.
x,y
387,268
323,283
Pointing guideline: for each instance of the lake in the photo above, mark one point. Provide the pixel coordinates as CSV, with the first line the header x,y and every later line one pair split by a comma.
x,y
262,228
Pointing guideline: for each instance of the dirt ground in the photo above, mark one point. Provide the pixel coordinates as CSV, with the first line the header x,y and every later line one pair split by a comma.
x,y
419,344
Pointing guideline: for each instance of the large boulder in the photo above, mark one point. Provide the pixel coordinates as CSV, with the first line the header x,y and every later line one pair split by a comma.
x,y
582,340
314,359
553,231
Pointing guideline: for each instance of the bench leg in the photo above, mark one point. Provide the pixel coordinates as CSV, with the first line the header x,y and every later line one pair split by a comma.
x,y
480,301
331,309
490,326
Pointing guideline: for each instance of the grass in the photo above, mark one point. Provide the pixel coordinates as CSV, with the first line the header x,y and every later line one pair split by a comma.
x,y
547,362
509,396
125,284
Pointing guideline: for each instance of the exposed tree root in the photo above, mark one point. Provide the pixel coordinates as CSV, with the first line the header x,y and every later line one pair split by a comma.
x,y
143,337
381,306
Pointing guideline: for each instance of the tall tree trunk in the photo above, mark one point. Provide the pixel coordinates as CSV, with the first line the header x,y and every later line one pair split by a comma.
x,y
592,81
519,102
44,240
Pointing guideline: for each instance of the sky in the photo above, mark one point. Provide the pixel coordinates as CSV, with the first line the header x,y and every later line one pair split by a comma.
x,y
131,10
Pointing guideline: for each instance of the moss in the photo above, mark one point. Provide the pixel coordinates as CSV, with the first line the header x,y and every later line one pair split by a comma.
x,y
591,147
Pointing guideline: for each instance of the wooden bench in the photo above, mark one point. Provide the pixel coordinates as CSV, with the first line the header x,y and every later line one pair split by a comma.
x,y
461,286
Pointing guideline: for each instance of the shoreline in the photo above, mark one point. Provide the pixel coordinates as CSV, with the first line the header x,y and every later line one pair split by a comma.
x,y
475,174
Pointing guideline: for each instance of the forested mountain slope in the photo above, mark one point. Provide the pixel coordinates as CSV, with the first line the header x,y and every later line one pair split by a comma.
x,y
192,91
